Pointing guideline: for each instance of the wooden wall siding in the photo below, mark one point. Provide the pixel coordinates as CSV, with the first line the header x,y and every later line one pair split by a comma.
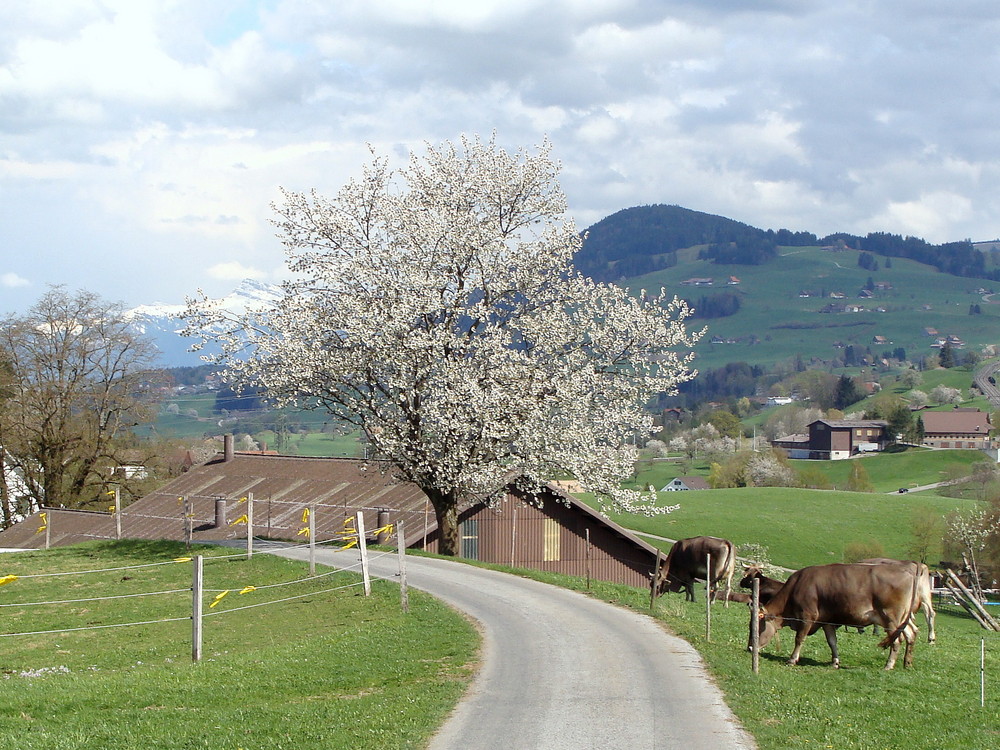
x,y
522,535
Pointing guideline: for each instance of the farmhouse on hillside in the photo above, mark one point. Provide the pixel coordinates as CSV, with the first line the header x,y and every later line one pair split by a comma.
x,y
681,484
209,503
956,428
836,439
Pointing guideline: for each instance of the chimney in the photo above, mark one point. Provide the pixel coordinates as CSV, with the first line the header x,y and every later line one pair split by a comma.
x,y
227,447
220,512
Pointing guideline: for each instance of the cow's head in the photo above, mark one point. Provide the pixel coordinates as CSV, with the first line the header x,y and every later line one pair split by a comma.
x,y
749,573
766,624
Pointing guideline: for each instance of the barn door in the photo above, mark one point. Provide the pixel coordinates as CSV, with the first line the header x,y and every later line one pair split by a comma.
x,y
469,537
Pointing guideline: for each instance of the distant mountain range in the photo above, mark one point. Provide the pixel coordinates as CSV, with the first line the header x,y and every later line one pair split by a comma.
x,y
162,323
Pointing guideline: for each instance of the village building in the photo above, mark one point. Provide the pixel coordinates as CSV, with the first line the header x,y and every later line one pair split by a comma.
x,y
956,428
683,484
836,439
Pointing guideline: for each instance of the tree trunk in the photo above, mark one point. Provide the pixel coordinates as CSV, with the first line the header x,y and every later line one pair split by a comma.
x,y
446,511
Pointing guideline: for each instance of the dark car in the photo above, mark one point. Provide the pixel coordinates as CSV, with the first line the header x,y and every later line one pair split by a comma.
x,y
902,490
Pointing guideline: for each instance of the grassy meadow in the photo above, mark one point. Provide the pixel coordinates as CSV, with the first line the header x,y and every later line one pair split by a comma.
x,y
331,669
787,325
798,527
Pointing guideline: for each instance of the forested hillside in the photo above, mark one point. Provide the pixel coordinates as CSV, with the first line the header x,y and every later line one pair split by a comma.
x,y
644,239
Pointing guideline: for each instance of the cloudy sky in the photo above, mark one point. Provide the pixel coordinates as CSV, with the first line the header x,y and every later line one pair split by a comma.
x,y
143,141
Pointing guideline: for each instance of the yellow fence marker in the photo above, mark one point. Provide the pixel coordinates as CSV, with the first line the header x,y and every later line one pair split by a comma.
x,y
242,519
248,589
218,599
7,579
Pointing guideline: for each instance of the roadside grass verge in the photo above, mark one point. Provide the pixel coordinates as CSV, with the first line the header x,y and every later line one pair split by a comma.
x,y
799,527
933,705
331,669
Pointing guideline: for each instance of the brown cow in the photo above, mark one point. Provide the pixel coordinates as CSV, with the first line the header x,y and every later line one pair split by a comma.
x,y
686,562
925,594
828,596
767,587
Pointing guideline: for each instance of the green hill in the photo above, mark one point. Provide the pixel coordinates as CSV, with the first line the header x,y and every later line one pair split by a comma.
x,y
781,299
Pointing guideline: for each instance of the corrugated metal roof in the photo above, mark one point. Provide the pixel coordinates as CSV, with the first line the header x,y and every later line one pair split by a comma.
x,y
282,486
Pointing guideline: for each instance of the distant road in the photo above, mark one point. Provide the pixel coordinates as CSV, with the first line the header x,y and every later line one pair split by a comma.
x,y
982,381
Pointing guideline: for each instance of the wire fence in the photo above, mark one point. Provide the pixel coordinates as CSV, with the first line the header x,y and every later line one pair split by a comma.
x,y
192,599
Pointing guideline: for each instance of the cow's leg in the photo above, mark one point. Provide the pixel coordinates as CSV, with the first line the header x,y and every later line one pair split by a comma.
x,y
930,615
910,634
830,631
800,637
689,591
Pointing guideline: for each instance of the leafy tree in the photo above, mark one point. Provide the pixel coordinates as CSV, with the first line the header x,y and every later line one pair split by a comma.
x,y
926,527
437,309
847,392
76,381
859,481
727,423
946,357
910,378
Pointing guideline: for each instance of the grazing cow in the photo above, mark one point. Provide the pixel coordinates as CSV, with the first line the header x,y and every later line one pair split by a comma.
x,y
686,562
828,596
767,587
925,594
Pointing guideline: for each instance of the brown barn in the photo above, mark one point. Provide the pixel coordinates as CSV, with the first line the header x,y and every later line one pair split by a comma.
x,y
208,502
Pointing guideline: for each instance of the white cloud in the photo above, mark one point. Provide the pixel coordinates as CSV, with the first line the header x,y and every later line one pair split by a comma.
x,y
13,280
140,137
235,271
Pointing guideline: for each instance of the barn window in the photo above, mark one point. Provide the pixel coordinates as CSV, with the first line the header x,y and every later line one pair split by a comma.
x,y
551,531
469,533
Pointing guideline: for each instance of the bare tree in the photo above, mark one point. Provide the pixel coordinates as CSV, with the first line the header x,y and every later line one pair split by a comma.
x,y
437,309
74,377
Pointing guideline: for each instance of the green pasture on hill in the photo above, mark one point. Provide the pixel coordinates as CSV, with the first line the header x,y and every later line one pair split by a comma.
x,y
910,467
798,527
787,325
330,668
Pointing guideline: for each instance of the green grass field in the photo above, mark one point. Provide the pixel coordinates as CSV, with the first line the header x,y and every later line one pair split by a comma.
x,y
332,669
787,325
888,472
798,527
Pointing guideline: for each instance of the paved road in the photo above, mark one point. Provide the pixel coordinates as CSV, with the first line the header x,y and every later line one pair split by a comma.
x,y
562,671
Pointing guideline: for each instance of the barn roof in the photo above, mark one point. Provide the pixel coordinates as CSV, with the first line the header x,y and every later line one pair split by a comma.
x,y
282,487
956,421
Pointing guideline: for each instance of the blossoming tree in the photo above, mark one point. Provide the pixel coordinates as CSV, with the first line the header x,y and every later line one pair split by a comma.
x,y
436,308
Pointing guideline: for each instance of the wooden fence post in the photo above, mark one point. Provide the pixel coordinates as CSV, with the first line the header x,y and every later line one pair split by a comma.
x,y
312,540
197,587
708,597
249,525
118,513
755,625
404,596
654,582
363,547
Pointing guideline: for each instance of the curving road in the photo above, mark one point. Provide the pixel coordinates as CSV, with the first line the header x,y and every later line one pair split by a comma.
x,y
563,671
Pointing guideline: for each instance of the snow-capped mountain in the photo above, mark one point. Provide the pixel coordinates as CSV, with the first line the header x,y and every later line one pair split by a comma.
x,y
163,322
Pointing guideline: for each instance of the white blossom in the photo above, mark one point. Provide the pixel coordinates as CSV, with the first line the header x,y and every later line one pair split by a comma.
x,y
436,308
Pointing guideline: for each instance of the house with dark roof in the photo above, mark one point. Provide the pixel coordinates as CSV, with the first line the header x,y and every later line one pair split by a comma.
x,y
209,503
956,428
836,439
